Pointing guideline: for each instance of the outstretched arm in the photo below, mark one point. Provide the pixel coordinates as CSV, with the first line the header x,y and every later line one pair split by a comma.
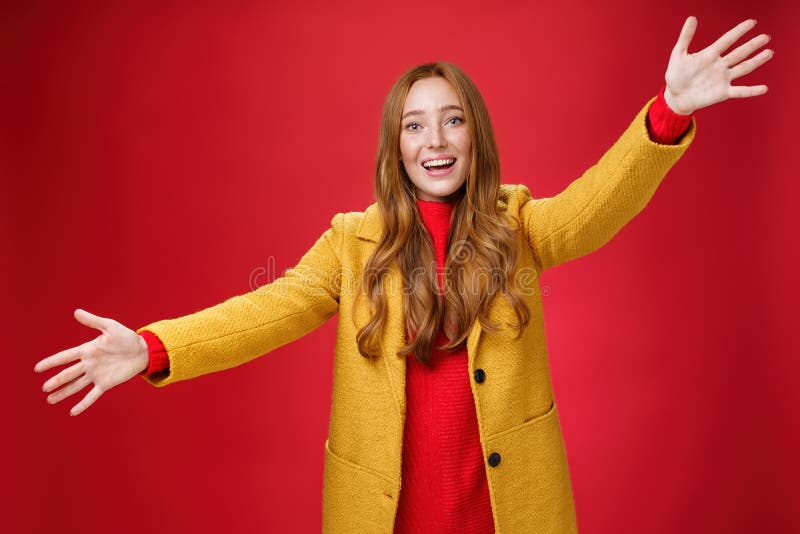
x,y
246,326
219,337
595,206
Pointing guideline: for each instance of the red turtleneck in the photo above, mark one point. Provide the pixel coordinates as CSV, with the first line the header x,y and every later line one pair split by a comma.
x,y
444,486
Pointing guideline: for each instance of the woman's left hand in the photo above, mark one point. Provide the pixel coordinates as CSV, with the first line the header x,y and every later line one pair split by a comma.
x,y
704,78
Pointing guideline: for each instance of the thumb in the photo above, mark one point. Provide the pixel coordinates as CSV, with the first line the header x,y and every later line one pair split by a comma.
x,y
687,33
91,320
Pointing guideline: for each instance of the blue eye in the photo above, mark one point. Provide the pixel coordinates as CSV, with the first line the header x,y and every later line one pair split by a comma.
x,y
456,119
408,126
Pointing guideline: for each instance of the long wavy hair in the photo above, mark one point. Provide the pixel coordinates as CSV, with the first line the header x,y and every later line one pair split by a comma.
x,y
481,247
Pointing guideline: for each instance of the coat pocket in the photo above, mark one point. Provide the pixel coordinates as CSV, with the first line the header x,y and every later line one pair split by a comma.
x,y
531,483
356,499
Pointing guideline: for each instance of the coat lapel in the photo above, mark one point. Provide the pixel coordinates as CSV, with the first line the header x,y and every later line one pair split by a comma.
x,y
371,229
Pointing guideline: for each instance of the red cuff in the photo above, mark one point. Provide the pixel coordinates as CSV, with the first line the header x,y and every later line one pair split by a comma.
x,y
666,126
159,361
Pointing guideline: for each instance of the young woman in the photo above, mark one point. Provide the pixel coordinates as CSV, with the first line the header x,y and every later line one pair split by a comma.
x,y
443,416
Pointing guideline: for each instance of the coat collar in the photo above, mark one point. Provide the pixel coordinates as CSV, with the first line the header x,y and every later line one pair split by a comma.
x,y
370,229
371,225
509,199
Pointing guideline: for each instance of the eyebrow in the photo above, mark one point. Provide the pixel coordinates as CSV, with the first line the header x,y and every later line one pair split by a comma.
x,y
443,108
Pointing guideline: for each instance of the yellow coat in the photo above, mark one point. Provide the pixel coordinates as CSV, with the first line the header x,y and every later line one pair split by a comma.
x,y
530,487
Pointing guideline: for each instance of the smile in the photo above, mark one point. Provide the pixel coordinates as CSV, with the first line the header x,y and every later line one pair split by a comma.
x,y
439,166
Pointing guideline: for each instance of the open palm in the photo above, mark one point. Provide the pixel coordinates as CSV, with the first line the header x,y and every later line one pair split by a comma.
x,y
115,356
698,80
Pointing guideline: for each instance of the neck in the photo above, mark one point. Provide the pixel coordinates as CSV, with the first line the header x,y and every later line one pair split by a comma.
x,y
445,200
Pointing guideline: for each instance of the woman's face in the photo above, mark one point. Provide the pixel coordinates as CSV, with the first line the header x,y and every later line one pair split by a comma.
x,y
435,143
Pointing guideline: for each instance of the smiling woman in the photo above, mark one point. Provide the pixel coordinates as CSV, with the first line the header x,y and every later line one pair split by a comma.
x,y
443,416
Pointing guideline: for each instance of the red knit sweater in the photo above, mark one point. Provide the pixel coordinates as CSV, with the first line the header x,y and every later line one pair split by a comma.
x,y
444,486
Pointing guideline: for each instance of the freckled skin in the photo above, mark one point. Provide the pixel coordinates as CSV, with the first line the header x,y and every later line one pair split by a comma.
x,y
433,133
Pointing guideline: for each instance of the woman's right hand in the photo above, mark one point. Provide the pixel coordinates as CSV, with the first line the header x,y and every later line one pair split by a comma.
x,y
115,356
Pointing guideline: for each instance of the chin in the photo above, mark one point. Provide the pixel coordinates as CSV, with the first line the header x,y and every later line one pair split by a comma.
x,y
442,193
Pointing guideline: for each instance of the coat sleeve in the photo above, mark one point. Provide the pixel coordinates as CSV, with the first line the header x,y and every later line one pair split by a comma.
x,y
250,325
594,207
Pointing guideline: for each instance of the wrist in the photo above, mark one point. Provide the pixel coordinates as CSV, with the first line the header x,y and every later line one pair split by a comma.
x,y
673,104
144,354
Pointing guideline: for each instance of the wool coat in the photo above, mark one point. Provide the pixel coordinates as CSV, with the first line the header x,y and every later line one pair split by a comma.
x,y
520,432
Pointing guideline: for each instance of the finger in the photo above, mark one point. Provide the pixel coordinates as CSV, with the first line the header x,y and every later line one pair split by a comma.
x,y
70,389
731,36
60,358
67,375
687,33
742,52
751,64
87,401
741,91
91,320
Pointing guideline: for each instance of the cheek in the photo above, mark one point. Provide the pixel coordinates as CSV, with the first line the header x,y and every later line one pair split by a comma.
x,y
407,151
465,147
465,144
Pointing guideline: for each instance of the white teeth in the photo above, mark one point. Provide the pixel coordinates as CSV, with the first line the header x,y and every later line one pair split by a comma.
x,y
438,162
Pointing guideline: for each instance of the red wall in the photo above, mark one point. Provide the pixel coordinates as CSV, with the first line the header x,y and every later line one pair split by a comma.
x,y
155,156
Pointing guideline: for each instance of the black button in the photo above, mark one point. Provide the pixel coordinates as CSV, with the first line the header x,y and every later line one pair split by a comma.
x,y
494,459
480,375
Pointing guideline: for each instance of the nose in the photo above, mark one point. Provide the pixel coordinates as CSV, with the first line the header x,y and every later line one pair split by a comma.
x,y
436,137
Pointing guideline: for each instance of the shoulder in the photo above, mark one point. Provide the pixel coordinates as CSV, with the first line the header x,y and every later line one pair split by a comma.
x,y
364,224
512,197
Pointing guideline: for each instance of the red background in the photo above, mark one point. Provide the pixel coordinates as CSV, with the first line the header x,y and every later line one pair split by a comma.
x,y
156,155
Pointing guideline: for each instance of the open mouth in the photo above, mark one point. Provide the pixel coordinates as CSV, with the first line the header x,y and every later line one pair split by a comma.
x,y
439,164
